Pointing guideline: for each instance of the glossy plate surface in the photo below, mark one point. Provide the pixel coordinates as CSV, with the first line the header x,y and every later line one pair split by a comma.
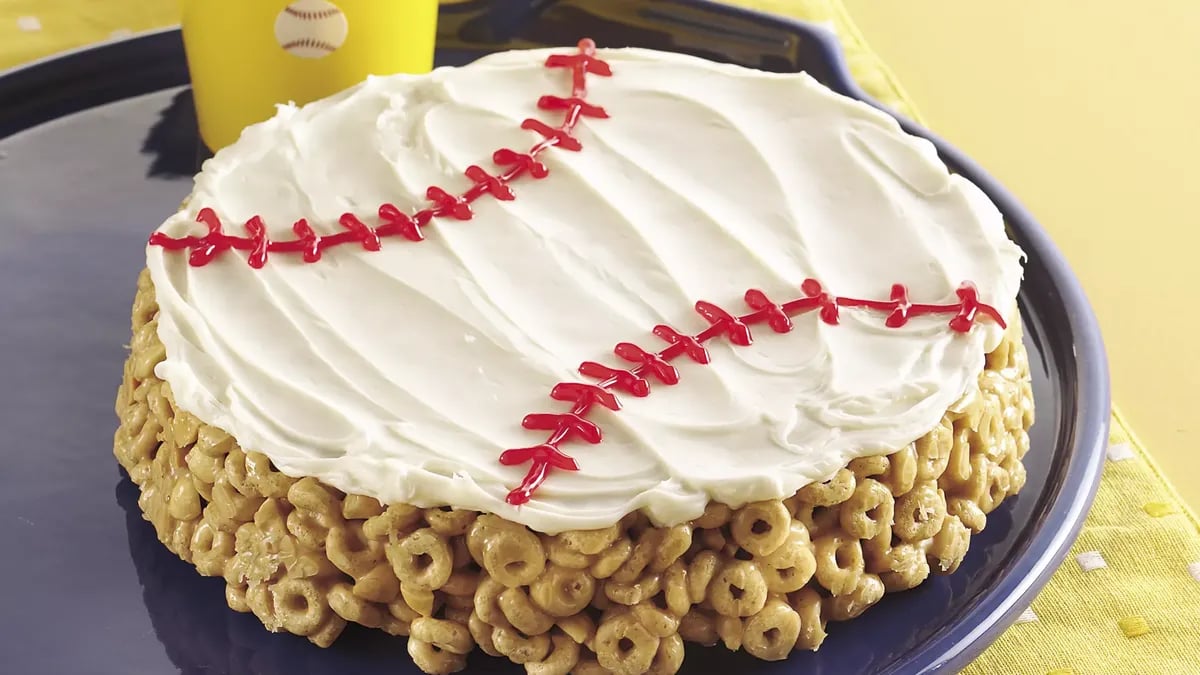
x,y
97,147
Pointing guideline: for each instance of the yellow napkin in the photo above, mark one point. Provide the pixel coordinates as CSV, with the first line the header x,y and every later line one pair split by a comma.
x,y
1127,599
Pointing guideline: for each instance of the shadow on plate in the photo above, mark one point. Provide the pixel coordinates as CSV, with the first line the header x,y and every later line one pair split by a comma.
x,y
173,142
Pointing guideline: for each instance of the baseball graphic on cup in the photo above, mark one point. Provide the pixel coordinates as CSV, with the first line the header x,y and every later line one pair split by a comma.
x,y
311,29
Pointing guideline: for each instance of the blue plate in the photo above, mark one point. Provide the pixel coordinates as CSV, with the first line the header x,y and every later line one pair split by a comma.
x,y
97,146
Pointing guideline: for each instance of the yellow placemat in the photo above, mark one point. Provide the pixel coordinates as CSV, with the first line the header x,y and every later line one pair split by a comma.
x,y
1127,599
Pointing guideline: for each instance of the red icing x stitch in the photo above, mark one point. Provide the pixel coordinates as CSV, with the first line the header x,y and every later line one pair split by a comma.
x,y
721,323
394,223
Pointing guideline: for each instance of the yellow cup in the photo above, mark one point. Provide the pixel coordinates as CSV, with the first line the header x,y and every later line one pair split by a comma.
x,y
246,56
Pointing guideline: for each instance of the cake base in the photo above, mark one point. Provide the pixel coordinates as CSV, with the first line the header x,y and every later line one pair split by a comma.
x,y
766,577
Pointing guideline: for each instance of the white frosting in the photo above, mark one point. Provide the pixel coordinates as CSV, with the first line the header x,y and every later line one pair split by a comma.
x,y
403,374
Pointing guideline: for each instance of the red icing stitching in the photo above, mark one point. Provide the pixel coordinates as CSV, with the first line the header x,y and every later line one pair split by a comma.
x,y
736,329
203,249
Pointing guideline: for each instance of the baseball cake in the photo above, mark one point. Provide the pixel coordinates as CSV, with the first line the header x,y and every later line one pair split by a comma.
x,y
576,356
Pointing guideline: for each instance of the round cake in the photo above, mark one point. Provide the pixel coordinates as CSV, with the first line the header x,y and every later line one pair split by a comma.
x,y
575,356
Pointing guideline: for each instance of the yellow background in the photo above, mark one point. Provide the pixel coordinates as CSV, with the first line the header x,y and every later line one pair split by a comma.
x,y
1090,113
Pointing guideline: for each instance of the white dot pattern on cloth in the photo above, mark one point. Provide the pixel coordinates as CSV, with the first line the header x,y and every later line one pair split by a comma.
x,y
1194,570
1119,452
29,24
1090,560
1027,616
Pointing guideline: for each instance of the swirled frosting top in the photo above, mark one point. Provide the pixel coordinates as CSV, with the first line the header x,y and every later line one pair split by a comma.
x,y
403,373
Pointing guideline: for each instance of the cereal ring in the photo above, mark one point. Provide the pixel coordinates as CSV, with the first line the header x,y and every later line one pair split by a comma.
x,y
558,553
235,472
588,665
907,568
514,557
184,502
839,563
434,661
761,527
877,551
674,543
868,510
998,483
919,512
400,609
423,601
520,648
958,466
351,551
522,614
210,549
449,522
447,636
420,560
318,508
820,520
394,523
235,597
481,530
299,606
1016,471
771,633
700,573
461,583
807,604
631,594
329,631
263,477
867,467
902,470
675,589
715,515
562,591
738,589
700,627
579,627
487,601
481,632
792,565
378,585
643,552
949,546
624,646
827,493
590,542
968,513
658,620
229,508
713,540
564,654
669,657
933,452
611,559
458,615
844,607
353,608
358,507
731,630
393,626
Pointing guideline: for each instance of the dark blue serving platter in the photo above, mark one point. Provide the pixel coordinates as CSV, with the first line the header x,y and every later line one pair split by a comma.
x,y
98,145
